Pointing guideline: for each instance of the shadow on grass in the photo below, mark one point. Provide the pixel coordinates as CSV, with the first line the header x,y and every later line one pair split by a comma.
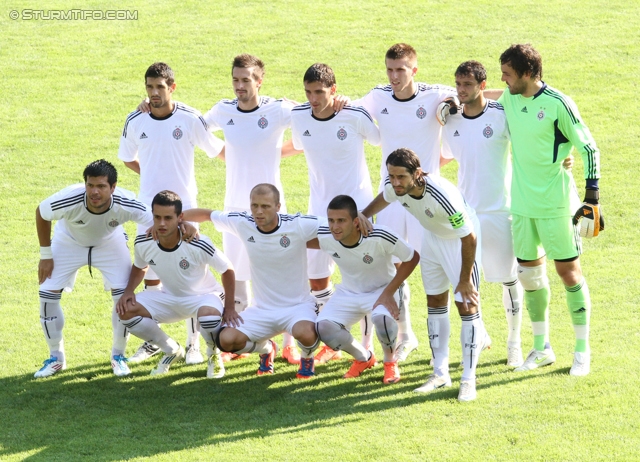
x,y
86,412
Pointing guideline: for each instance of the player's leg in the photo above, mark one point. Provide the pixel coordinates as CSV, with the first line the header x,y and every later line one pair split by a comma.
x,y
532,273
52,322
304,331
210,322
512,300
387,333
120,338
142,320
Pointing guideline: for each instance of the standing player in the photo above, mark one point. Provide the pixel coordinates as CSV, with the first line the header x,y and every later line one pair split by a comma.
x,y
405,112
276,245
448,257
88,232
478,138
159,142
333,144
188,287
370,285
544,125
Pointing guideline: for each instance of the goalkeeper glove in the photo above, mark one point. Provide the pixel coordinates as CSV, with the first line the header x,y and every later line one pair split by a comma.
x,y
589,215
446,107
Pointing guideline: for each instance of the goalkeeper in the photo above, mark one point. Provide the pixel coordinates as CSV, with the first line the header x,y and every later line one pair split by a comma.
x,y
544,125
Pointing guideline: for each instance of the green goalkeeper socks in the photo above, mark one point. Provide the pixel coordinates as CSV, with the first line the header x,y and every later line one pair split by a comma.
x,y
579,303
537,303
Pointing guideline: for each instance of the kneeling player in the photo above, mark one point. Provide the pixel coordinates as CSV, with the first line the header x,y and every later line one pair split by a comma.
x,y
370,285
276,246
189,289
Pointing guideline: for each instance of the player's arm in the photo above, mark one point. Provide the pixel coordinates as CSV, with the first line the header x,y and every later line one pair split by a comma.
x,y
230,316
45,266
493,93
313,244
465,286
403,271
197,215
133,165
128,298
289,150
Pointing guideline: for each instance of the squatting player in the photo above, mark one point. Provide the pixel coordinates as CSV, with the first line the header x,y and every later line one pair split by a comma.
x,y
544,125
164,141
333,144
188,287
447,257
276,245
371,284
88,232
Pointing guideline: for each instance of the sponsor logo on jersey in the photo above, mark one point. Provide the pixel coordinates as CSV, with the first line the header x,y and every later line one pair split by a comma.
x,y
487,132
421,113
230,122
456,133
524,109
113,223
384,111
428,212
143,136
262,122
251,239
306,133
151,262
285,241
184,264
541,115
335,255
342,134
177,133
368,259
79,222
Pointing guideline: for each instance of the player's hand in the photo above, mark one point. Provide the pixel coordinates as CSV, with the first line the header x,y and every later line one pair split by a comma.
x,y
389,303
152,232
339,102
449,106
45,268
231,318
127,300
295,103
589,215
568,162
364,225
144,106
189,232
470,295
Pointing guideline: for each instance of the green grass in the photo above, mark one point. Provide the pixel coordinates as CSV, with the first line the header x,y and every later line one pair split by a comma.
x,y
67,88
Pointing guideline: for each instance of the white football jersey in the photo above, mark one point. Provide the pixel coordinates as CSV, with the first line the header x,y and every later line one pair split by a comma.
x,y
278,258
253,142
441,210
334,149
480,144
69,207
183,270
164,148
409,123
366,266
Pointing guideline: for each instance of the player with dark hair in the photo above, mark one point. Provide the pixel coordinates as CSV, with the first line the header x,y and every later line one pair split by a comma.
x,y
88,232
448,258
333,144
545,125
159,142
188,287
371,284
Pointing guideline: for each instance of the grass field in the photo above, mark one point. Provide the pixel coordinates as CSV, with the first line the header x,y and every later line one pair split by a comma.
x,y
67,88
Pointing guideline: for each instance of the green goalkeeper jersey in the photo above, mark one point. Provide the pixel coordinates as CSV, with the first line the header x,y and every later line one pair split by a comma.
x,y
543,129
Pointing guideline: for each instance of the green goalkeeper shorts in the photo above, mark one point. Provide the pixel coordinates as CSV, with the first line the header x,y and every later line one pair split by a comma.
x,y
556,238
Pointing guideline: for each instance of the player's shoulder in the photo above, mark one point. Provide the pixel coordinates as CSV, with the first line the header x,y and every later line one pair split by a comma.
x,y
426,88
182,108
383,233
494,106
127,199
356,111
142,240
133,118
560,99
67,197
203,244
297,217
301,108
236,216
382,90
324,231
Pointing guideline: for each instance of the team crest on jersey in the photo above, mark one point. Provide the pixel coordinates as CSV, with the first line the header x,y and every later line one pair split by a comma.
x,y
428,212
541,115
421,113
368,259
113,223
342,134
487,132
262,122
177,133
184,264
285,241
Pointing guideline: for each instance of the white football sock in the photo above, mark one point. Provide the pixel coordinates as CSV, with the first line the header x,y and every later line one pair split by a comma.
x,y
209,327
470,339
387,333
512,295
52,322
439,331
120,333
339,338
262,347
149,331
366,332
405,331
307,351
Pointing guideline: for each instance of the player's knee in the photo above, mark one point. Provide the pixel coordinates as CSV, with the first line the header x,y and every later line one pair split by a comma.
x,y
208,311
327,329
305,332
533,277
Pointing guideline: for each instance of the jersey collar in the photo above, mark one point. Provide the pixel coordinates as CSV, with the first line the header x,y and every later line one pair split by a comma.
x,y
544,86
175,108
406,99
93,213
274,229
486,106
354,245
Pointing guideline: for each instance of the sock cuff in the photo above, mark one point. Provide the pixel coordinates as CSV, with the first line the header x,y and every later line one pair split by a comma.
x,y
46,296
577,287
441,310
